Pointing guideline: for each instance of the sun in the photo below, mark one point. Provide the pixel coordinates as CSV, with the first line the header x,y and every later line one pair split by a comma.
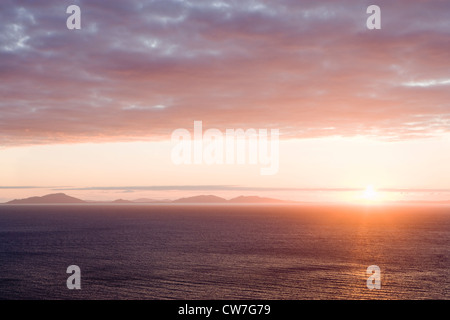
x,y
370,193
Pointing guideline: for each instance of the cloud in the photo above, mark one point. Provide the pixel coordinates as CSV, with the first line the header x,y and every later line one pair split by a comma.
x,y
140,69
427,83
234,188
143,108
19,187
156,188
215,188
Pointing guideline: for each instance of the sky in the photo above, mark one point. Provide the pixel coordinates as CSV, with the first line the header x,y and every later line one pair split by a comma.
x,y
91,112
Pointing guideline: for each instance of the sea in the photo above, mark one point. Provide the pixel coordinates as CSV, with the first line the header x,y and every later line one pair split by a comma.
x,y
215,252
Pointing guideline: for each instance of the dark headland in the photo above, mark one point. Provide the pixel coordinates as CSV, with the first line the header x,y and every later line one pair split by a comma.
x,y
61,198
50,198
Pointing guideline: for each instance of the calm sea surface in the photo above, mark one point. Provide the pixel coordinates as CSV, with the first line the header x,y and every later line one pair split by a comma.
x,y
224,252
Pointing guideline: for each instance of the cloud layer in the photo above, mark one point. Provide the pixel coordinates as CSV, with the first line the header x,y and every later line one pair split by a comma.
x,y
140,69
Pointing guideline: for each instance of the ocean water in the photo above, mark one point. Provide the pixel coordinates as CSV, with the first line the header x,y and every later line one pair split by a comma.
x,y
224,251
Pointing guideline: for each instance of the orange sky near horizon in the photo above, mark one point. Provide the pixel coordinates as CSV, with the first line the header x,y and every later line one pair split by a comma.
x,y
109,171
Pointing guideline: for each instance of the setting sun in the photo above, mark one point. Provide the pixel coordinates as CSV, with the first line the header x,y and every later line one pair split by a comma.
x,y
370,193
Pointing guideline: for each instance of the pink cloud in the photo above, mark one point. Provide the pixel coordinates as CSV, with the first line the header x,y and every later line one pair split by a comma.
x,y
307,68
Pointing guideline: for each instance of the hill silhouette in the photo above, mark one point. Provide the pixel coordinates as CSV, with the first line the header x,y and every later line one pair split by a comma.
x,y
61,198
255,199
149,200
201,199
50,198
122,201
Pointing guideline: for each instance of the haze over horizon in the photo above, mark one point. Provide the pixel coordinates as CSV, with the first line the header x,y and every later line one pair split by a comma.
x,y
91,111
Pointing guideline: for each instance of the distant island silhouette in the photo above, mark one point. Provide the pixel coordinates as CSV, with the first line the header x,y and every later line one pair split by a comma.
x,y
62,198
49,198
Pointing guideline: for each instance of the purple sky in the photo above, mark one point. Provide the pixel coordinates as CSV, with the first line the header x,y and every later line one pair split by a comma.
x,y
143,68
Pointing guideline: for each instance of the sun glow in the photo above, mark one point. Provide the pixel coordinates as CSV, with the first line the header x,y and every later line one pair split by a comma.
x,y
370,193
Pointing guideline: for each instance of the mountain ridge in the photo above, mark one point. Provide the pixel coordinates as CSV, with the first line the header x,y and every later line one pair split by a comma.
x,y
62,198
57,198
